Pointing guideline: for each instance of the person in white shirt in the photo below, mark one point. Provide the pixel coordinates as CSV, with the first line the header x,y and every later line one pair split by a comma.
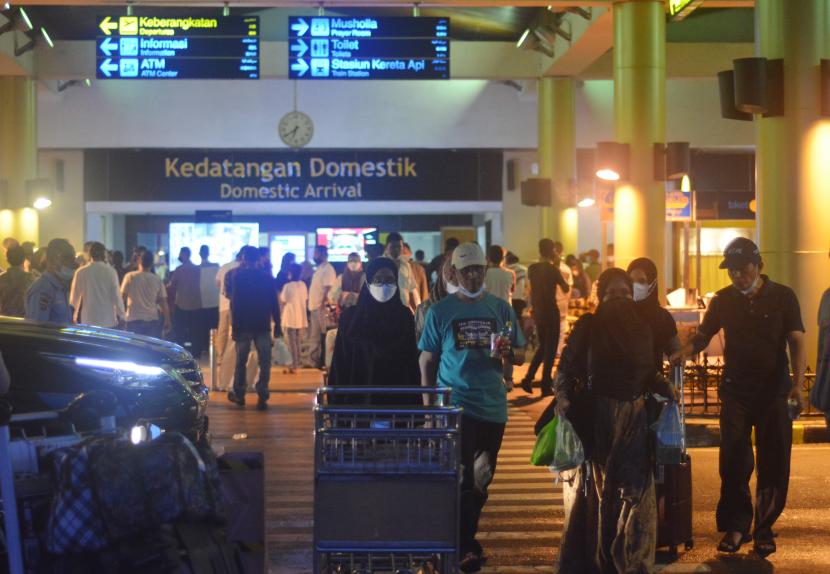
x,y
209,292
223,330
520,292
294,298
407,285
95,293
145,295
499,281
322,281
563,299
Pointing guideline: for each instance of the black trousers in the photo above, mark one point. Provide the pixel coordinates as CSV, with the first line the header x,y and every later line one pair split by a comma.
x,y
480,444
773,439
519,306
186,330
546,353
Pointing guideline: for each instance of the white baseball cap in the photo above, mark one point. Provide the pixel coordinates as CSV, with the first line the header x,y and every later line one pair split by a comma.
x,y
468,254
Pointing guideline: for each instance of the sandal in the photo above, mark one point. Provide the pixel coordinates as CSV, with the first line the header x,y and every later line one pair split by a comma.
x,y
729,543
764,548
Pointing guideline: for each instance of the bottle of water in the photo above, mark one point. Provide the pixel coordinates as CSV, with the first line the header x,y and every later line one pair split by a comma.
x,y
794,410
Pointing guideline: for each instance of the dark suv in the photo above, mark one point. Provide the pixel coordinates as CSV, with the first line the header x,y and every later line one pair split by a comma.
x,y
152,380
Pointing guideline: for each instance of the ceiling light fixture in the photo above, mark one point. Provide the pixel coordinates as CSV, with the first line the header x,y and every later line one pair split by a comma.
x,y
17,18
586,202
226,10
45,35
612,161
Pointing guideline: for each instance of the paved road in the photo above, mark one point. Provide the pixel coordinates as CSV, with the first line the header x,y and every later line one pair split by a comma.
x,y
522,521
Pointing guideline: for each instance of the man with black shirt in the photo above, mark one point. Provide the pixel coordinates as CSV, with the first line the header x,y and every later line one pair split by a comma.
x,y
760,319
253,300
545,277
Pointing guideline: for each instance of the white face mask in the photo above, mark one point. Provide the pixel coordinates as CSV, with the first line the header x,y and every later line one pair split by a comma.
x,y
748,291
452,288
383,293
470,294
641,292
353,265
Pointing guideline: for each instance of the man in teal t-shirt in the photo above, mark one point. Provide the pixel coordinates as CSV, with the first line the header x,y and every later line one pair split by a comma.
x,y
456,353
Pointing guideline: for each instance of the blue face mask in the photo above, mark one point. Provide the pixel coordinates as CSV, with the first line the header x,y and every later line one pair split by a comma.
x,y
470,294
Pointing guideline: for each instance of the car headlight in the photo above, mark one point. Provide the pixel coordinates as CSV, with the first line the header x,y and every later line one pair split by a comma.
x,y
126,373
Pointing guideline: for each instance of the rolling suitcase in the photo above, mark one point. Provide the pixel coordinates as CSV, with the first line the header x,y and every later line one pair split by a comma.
x,y
673,484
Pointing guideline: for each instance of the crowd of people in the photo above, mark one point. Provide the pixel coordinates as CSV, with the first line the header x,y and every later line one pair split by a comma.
x,y
400,320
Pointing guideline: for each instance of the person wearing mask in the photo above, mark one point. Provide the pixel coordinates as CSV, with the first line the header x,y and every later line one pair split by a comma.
x,y
283,275
223,330
145,295
323,280
47,300
208,295
419,274
443,286
294,299
253,306
519,302
592,265
456,354
760,319
407,287
375,343
545,279
437,264
186,286
606,368
95,291
349,284
499,281
643,274
14,284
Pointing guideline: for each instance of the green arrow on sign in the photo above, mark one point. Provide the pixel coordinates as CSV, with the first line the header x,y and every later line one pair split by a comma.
x,y
107,26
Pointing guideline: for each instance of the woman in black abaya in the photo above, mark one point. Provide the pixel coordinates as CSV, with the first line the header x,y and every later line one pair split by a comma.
x,y
375,343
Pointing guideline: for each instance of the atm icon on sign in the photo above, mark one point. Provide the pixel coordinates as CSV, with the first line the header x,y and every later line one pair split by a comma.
x,y
319,67
128,68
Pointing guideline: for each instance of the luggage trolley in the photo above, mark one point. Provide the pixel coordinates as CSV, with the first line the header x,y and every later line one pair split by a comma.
x,y
386,483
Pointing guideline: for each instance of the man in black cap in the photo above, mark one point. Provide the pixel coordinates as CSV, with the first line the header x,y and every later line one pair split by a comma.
x,y
760,319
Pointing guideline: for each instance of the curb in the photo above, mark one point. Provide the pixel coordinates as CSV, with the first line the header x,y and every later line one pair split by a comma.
x,y
708,435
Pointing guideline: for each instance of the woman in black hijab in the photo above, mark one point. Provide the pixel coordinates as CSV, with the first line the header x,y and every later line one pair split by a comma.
x,y
605,369
375,343
643,274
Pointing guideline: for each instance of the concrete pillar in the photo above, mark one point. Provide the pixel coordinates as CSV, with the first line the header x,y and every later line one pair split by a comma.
x,y
557,157
18,155
640,121
792,167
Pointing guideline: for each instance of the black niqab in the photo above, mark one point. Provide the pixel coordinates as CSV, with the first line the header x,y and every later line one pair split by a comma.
x,y
376,345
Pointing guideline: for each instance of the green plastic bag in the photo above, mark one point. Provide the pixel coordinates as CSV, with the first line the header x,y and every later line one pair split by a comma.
x,y
545,446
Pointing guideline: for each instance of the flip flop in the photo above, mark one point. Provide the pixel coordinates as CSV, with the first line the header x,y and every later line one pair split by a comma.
x,y
727,545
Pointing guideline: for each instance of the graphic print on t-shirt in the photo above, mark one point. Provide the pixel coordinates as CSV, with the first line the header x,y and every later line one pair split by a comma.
x,y
473,333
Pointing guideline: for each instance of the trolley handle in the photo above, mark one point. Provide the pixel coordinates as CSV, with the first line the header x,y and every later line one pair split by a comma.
x,y
678,371
390,433
384,391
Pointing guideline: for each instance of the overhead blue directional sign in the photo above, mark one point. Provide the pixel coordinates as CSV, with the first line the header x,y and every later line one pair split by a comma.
x,y
337,48
145,48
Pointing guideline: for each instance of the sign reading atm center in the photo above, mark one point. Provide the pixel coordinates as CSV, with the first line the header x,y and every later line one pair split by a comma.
x,y
151,48
278,176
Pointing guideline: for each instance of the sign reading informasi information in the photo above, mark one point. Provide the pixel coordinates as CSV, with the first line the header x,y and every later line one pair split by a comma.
x,y
161,48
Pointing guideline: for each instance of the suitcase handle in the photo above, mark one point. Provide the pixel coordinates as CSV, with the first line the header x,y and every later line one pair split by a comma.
x,y
677,371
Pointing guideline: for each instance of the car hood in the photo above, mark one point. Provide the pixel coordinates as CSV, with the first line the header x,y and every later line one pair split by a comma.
x,y
106,341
